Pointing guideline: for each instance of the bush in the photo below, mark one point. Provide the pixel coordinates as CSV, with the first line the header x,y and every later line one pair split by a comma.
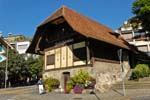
x,y
51,83
68,87
81,78
140,71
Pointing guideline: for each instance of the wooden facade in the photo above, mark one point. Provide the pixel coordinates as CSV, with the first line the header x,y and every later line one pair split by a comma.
x,y
67,56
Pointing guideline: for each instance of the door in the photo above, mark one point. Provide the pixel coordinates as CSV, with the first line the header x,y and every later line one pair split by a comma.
x,y
66,78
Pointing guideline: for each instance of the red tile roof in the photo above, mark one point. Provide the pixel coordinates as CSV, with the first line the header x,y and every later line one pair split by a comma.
x,y
86,27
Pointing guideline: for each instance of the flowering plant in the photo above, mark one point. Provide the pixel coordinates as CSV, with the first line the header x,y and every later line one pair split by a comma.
x,y
78,88
90,83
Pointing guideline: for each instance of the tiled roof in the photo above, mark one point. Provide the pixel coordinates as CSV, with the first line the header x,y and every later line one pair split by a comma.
x,y
85,26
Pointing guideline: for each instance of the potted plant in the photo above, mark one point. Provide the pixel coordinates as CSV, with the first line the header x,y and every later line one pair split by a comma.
x,y
78,88
90,83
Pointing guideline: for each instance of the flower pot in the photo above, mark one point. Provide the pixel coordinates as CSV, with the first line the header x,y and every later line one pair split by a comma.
x,y
78,89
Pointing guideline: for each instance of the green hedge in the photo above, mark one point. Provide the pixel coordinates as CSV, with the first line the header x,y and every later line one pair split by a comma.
x,y
140,71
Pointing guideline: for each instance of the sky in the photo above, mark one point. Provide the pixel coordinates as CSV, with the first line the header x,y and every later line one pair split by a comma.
x,y
21,17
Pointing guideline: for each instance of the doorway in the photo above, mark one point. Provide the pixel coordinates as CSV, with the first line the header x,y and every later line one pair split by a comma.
x,y
66,78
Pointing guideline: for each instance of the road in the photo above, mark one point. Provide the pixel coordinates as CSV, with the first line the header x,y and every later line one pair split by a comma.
x,y
31,93
6,96
9,93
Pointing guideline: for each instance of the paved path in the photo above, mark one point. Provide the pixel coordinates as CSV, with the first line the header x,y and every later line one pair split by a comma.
x,y
18,90
31,93
9,93
131,94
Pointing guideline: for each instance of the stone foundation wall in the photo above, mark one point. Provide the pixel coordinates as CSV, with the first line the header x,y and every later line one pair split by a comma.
x,y
108,74
58,74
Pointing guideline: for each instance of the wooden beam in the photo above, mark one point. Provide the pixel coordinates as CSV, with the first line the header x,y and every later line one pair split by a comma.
x,y
37,49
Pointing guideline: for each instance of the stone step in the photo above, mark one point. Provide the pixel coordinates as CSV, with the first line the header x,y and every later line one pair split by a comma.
x,y
145,79
132,85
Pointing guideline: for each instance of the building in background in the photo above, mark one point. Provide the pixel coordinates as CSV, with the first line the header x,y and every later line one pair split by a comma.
x,y
136,37
21,47
20,43
14,38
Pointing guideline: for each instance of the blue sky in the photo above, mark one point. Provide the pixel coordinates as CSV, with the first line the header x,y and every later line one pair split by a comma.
x,y
23,16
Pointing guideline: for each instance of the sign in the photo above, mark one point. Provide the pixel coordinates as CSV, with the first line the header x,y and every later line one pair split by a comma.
x,y
2,58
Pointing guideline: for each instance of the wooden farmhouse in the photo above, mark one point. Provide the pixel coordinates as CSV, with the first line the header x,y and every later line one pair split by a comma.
x,y
70,41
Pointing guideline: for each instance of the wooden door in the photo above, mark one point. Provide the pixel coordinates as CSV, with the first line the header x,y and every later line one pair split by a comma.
x,y
66,78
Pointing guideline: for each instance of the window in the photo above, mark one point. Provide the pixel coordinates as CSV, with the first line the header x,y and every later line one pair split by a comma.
x,y
50,59
79,54
22,47
143,48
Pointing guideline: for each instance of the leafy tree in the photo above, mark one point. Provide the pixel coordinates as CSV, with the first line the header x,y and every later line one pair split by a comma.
x,y
16,68
2,73
20,69
142,10
34,67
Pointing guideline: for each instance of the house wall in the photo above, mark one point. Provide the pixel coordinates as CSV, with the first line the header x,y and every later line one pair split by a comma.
x,y
66,59
107,73
103,58
58,74
67,56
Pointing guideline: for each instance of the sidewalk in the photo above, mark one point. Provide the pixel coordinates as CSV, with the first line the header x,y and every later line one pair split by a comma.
x,y
111,95
17,90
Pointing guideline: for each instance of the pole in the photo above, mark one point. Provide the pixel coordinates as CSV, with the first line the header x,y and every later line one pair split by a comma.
x,y
6,72
122,70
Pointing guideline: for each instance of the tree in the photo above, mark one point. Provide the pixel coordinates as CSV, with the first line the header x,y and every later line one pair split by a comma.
x,y
16,69
142,10
34,67
2,74
20,69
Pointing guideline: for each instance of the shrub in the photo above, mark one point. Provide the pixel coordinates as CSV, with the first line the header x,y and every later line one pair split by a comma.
x,y
84,78
68,87
140,71
51,83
